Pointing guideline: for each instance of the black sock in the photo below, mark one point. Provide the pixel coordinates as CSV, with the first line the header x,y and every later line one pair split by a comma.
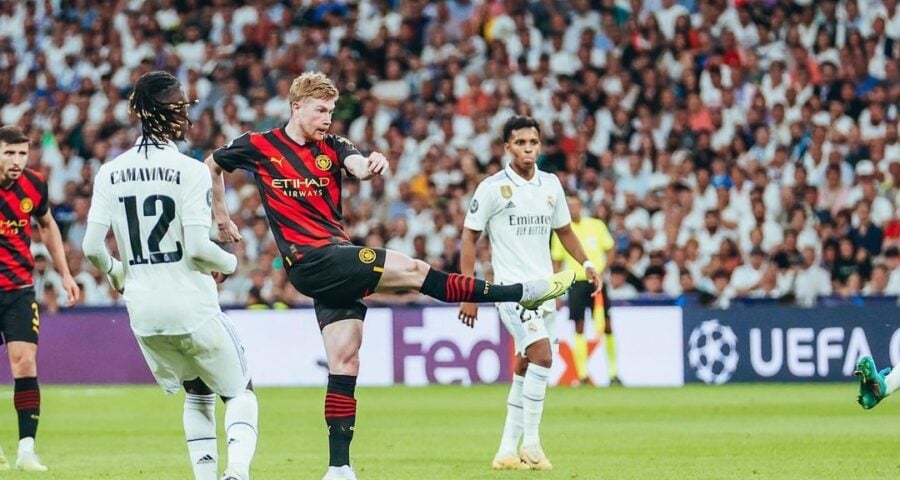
x,y
27,399
452,287
340,416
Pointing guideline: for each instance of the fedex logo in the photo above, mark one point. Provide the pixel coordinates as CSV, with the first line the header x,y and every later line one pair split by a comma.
x,y
432,346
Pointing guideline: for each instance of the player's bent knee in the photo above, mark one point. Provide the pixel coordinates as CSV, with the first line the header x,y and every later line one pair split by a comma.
x,y
197,387
22,364
346,365
545,362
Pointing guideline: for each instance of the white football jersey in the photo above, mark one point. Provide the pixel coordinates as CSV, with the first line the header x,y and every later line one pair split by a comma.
x,y
518,216
147,200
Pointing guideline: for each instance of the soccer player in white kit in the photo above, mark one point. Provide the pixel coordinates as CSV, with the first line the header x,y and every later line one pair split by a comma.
x,y
158,203
518,208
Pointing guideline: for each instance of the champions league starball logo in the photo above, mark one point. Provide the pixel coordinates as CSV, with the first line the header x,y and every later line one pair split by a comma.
x,y
713,352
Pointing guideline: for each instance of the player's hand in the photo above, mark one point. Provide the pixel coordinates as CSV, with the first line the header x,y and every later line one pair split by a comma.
x,y
378,164
228,231
220,277
594,278
72,290
468,313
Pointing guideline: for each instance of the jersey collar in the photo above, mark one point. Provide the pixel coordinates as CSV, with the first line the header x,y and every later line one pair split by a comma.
x,y
518,180
168,143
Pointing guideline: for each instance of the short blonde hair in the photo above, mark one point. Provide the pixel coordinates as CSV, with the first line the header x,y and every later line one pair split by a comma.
x,y
313,85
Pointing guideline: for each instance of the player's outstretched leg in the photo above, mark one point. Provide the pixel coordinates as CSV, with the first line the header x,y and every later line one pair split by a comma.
x,y
200,429
872,385
241,419
402,272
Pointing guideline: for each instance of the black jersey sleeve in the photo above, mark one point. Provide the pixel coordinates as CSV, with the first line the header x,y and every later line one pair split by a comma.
x,y
238,154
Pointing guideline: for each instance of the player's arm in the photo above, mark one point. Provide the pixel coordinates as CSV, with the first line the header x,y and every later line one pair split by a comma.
x,y
206,255
556,253
94,247
468,312
364,168
480,212
197,203
54,242
573,245
228,230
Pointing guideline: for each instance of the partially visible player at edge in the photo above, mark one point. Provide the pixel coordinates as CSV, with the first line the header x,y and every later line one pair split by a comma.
x,y
23,196
599,246
298,173
875,385
519,207
157,202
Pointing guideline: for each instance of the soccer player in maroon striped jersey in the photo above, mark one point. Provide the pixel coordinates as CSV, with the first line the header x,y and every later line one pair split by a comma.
x,y
298,173
23,195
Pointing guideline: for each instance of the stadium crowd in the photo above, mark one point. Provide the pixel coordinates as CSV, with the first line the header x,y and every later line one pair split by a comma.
x,y
734,147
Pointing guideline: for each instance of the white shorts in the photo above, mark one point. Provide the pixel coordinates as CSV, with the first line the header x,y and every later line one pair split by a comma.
x,y
529,326
212,353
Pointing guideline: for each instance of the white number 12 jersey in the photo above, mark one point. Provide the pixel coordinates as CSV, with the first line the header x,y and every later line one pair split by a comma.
x,y
147,200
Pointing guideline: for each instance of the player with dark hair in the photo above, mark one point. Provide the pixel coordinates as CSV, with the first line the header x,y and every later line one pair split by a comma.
x,y
23,196
157,202
519,207
598,244
298,173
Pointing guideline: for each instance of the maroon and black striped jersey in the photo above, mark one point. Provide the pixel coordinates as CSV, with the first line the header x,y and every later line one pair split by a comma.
x,y
27,197
300,185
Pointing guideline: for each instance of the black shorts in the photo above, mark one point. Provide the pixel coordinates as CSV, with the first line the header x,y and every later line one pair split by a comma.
x,y
580,298
19,317
337,278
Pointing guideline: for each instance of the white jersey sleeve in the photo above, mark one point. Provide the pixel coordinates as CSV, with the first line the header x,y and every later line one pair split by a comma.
x,y
196,206
101,210
481,208
561,215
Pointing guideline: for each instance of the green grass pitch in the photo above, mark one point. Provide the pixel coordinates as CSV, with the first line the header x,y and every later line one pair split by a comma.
x,y
697,432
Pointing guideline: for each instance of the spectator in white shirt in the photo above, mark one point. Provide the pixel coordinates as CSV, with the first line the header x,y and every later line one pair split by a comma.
x,y
745,278
811,281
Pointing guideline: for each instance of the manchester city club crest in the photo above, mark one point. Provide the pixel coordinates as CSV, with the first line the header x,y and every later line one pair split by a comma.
x,y
506,191
26,205
367,255
323,162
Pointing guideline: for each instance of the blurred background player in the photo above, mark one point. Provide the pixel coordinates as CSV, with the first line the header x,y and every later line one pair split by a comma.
x,y
518,208
158,203
298,169
23,196
599,246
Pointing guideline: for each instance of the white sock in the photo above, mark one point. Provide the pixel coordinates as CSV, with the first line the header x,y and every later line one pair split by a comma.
x,y
512,430
893,380
241,417
26,445
200,432
534,388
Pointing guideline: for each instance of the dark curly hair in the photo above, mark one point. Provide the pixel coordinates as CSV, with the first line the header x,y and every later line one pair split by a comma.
x,y
516,122
156,102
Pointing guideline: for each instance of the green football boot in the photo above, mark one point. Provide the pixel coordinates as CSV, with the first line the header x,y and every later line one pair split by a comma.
x,y
547,289
872,387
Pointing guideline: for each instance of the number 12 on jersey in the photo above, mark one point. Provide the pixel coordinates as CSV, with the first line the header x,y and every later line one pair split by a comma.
x,y
136,237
